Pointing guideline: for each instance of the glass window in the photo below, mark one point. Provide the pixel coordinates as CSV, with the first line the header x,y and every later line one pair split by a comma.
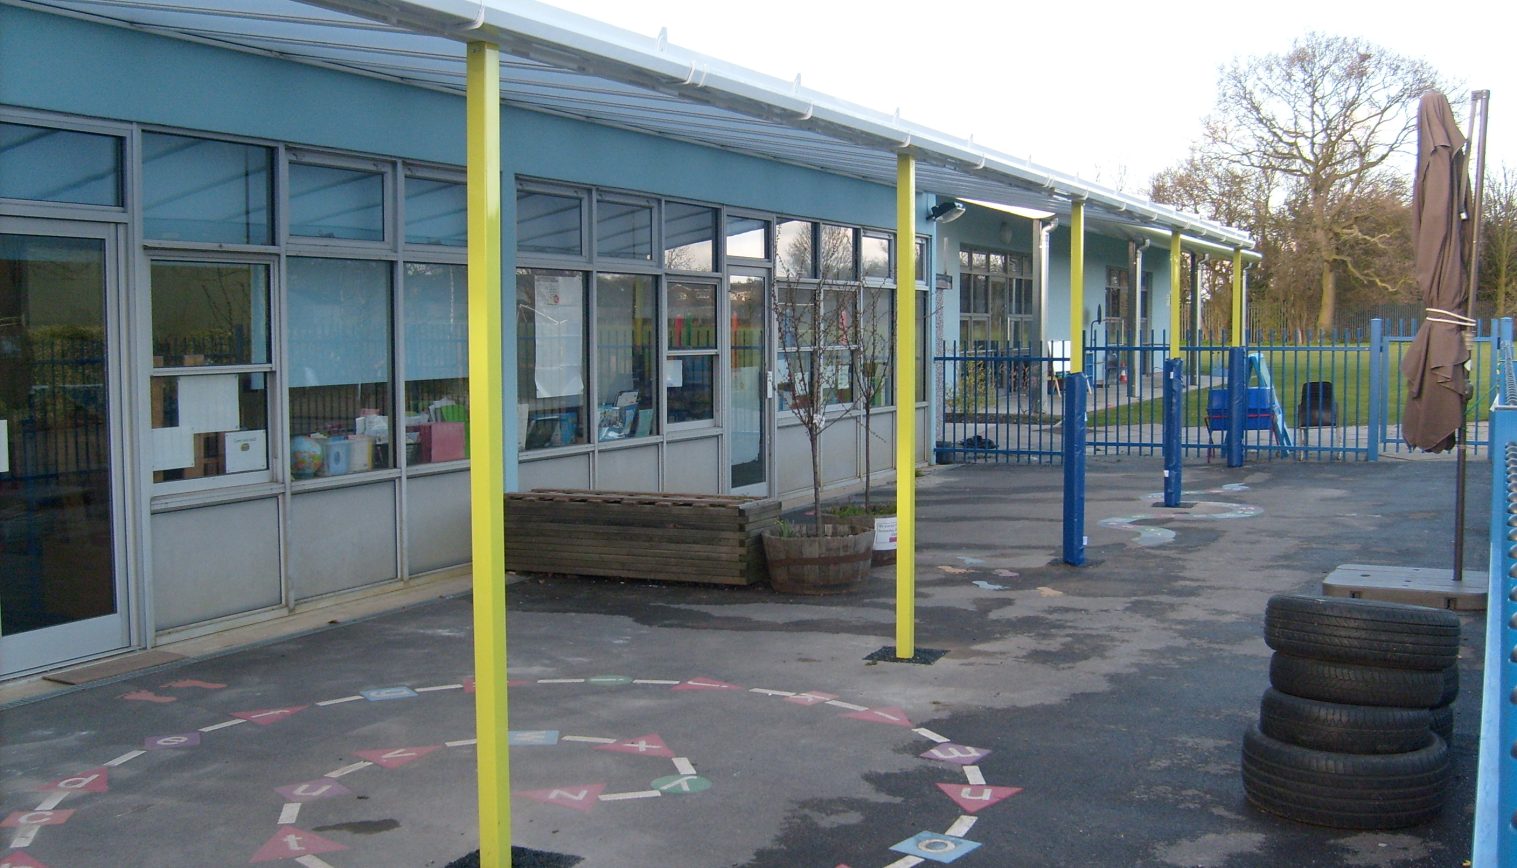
x,y
624,230
876,255
435,313
921,263
210,313
626,354
339,375
839,245
548,223
689,237
806,333
876,344
793,248
924,346
690,367
59,165
205,190
437,212
551,357
690,387
207,424
747,237
328,202
692,316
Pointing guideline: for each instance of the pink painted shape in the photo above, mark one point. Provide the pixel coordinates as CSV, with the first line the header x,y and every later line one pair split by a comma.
x,y
395,757
643,745
292,843
18,859
890,714
974,798
703,683
510,682
310,791
469,684
580,797
147,696
172,742
96,780
811,697
266,716
195,682
35,818
962,754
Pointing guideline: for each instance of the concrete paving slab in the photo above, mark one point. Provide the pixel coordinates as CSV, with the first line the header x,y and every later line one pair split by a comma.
x,y
1081,716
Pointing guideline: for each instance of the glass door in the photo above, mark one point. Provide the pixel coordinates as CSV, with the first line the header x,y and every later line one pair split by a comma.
x,y
61,593
748,390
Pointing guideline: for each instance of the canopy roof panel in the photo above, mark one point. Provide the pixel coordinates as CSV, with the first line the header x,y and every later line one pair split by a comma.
x,y
564,64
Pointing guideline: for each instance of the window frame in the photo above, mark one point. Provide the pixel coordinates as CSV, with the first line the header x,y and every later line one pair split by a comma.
x,y
295,156
275,410
129,158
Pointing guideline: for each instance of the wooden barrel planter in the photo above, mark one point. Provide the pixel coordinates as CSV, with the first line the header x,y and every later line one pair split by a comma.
x,y
706,538
832,564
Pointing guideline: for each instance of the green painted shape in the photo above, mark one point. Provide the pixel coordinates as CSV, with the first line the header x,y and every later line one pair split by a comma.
x,y
681,785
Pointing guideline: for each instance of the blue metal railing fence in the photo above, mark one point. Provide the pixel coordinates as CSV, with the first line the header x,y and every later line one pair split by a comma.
x,y
1332,395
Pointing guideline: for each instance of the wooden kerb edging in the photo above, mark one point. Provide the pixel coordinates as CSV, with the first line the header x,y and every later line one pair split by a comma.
x,y
707,538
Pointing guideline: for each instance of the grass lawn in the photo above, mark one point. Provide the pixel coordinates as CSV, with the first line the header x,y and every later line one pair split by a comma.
x,y
1347,367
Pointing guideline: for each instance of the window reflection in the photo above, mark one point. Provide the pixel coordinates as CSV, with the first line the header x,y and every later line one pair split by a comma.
x,y
626,351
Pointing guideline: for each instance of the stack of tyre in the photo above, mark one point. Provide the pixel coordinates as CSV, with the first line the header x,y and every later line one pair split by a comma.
x,y
1353,731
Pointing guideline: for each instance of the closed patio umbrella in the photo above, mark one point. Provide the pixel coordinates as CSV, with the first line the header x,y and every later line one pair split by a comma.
x,y
1434,366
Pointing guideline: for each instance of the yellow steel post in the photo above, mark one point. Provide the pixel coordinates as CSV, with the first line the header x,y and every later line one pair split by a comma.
x,y
487,455
1077,286
1236,338
905,405
1174,294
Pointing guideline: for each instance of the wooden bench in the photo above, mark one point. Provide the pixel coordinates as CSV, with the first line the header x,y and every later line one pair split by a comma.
x,y
707,538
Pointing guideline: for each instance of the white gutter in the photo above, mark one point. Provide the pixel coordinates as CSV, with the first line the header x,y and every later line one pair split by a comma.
x,y
553,36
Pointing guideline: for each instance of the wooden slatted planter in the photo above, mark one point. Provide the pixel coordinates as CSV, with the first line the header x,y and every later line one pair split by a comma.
x,y
707,538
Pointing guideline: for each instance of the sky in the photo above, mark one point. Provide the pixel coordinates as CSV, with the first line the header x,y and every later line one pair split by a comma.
x,y
1112,92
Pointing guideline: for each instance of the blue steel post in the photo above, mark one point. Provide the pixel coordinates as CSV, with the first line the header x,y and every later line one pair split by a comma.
x,y
1074,469
1237,409
1380,393
1495,835
1174,386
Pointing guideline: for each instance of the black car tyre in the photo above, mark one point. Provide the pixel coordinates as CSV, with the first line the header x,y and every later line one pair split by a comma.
x,y
1332,726
1365,632
1354,684
1341,790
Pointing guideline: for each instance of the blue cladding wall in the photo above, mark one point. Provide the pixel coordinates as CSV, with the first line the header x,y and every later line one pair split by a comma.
x,y
66,65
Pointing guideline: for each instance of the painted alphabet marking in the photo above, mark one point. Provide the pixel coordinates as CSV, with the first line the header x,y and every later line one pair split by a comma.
x,y
172,742
310,791
962,754
292,843
936,846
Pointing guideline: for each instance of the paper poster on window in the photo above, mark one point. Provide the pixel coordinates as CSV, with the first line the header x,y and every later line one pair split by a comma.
x,y
674,373
209,403
5,447
559,318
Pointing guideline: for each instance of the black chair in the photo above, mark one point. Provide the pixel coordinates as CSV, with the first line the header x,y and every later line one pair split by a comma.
x,y
1316,408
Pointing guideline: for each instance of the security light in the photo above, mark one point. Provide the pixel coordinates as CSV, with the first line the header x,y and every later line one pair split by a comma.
x,y
946,211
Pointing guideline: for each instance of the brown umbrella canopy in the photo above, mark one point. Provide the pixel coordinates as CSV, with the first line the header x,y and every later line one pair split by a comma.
x,y
1434,366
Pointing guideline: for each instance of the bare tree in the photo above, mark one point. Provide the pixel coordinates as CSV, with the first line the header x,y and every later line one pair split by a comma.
x,y
1498,239
818,344
1326,118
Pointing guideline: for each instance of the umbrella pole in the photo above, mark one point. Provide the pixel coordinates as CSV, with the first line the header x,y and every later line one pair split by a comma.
x,y
1479,105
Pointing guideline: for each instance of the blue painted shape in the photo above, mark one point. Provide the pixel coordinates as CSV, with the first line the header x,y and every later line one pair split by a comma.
x,y
936,846
1075,389
381,694
542,737
1174,387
